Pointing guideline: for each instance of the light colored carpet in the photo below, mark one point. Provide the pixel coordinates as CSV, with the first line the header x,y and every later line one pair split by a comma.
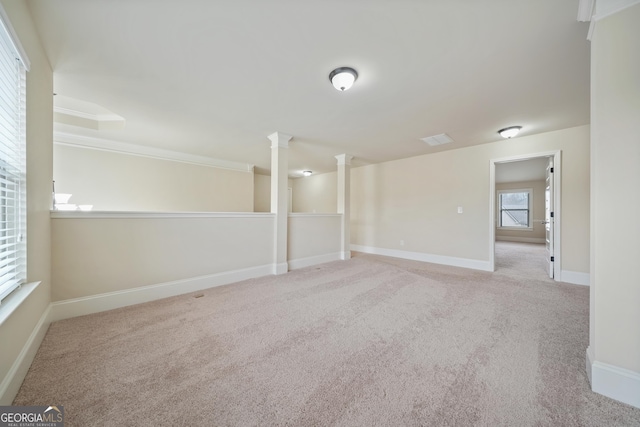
x,y
522,259
373,341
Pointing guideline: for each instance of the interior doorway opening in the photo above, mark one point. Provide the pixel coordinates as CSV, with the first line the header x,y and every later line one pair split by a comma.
x,y
525,214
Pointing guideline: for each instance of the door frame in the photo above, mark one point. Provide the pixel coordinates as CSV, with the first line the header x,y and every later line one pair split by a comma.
x,y
557,214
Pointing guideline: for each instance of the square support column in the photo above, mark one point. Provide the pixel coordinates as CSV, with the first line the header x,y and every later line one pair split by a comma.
x,y
280,198
344,203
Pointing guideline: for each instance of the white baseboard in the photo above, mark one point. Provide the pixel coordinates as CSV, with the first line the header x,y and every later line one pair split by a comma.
x,y
575,277
295,264
281,268
13,380
420,256
345,255
521,239
589,360
109,301
614,382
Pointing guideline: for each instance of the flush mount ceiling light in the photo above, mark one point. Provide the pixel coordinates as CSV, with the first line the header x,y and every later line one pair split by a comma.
x,y
510,132
342,78
307,173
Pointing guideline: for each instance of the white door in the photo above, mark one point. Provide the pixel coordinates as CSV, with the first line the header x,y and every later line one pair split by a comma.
x,y
549,218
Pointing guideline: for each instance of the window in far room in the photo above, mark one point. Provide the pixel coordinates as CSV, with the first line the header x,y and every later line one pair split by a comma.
x,y
514,209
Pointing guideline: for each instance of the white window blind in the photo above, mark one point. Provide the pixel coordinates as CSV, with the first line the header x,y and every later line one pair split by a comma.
x,y
12,163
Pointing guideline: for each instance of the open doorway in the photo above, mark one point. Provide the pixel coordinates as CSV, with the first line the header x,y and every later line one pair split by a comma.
x,y
525,215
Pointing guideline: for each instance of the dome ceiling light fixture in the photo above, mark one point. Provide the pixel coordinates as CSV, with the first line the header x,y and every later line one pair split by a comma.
x,y
307,173
342,78
509,132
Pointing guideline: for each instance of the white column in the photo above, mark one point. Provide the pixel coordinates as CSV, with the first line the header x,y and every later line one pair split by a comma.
x,y
344,203
280,198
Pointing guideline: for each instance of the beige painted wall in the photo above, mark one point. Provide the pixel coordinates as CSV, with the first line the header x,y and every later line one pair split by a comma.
x,y
538,212
15,331
113,181
316,193
313,235
98,255
615,153
261,193
416,199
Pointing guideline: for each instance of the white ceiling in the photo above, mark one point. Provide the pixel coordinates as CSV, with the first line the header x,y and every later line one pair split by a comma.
x,y
214,78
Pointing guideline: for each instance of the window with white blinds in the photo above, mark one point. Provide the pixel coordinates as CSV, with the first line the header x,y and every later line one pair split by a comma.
x,y
13,256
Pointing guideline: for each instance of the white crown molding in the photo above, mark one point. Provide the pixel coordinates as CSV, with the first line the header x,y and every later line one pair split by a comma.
x,y
344,159
279,139
592,27
69,139
585,10
603,9
84,115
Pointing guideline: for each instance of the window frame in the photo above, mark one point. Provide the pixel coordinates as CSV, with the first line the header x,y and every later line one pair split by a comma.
x,y
529,209
13,227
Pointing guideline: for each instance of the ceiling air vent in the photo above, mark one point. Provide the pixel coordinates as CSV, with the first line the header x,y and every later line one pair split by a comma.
x,y
441,139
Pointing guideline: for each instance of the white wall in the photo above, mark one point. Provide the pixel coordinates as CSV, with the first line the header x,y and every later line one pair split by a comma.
x,y
538,213
316,193
112,181
16,330
415,200
615,171
312,239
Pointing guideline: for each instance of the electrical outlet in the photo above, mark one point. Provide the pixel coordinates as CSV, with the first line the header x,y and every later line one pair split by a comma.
x,y
401,242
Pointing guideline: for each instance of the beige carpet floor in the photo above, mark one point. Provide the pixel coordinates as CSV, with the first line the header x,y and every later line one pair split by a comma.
x,y
522,259
373,341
